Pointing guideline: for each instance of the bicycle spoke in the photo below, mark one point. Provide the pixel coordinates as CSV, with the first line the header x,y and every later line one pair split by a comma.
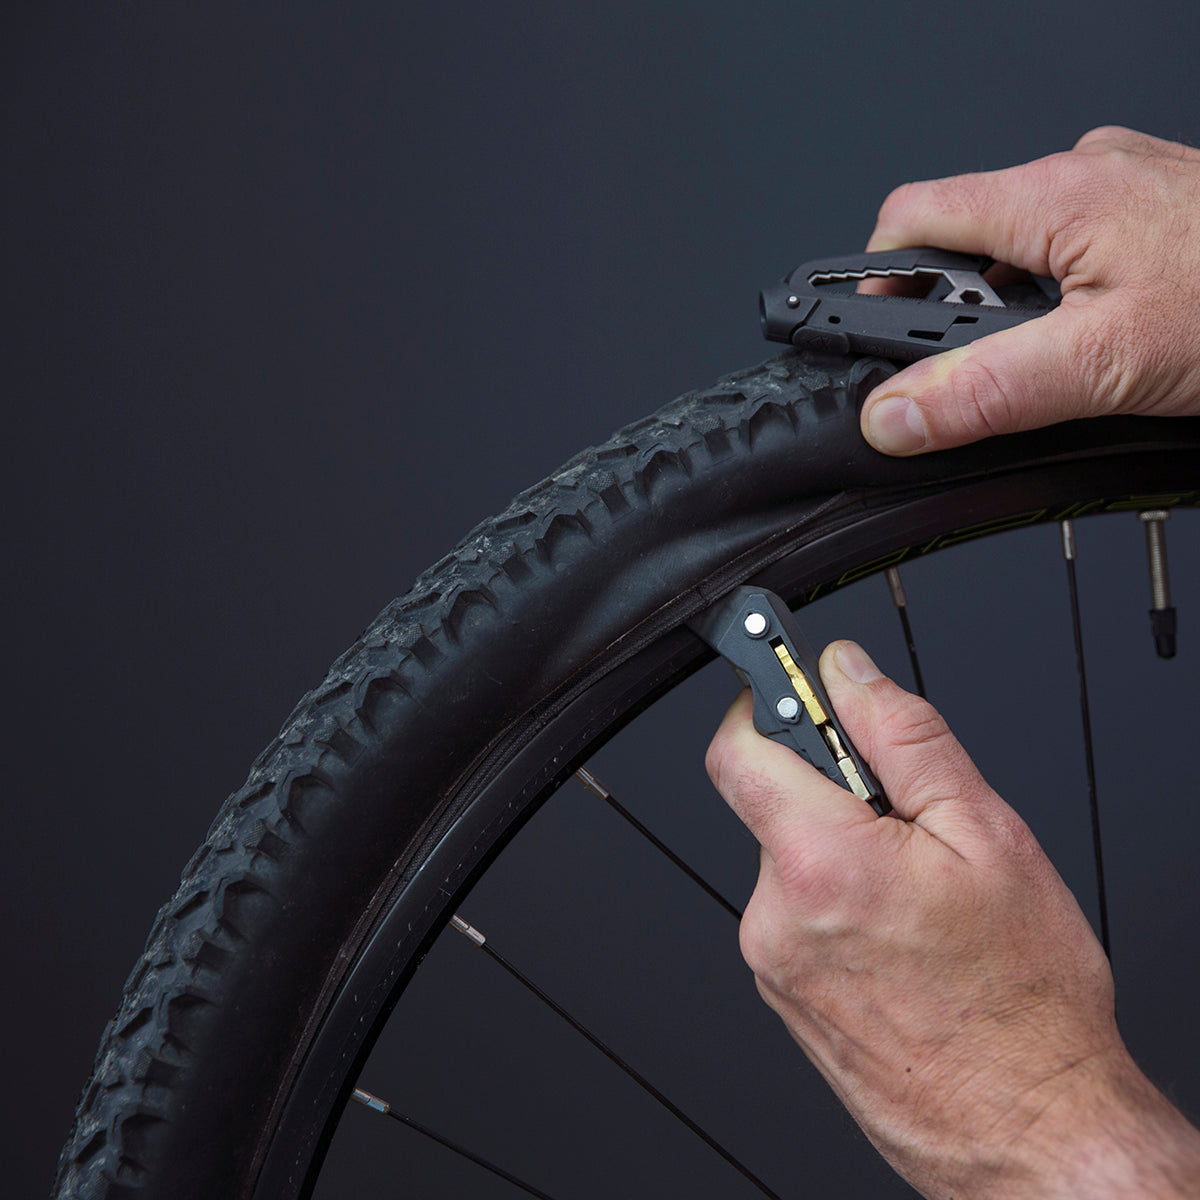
x,y
594,786
477,939
375,1104
901,603
1068,544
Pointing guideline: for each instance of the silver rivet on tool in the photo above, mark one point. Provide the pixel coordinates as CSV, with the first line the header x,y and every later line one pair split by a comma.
x,y
755,624
788,708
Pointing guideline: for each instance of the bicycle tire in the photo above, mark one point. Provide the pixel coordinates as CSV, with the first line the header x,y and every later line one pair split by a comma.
x,y
467,678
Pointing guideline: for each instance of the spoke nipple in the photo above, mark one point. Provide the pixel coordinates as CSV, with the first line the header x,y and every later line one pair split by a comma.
x,y
755,624
592,784
788,709
468,931
1068,539
366,1099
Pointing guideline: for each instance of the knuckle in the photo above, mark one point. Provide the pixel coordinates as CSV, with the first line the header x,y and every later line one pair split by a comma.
x,y
1078,194
915,724
716,760
1107,136
1016,835
762,943
756,943
1011,839
725,760
776,947
899,201
984,405
1076,190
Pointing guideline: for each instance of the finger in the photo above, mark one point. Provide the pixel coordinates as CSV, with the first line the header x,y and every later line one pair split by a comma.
x,y
926,773
1005,214
1066,364
892,285
771,788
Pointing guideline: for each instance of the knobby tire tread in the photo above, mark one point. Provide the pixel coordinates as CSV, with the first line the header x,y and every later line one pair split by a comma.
x,y
762,446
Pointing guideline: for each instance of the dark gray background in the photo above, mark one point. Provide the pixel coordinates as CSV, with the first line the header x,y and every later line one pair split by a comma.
x,y
296,295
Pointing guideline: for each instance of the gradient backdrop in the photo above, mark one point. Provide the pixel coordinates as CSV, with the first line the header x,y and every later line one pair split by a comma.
x,y
245,406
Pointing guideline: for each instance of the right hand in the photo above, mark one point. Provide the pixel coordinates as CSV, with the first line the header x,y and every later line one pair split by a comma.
x,y
935,968
1116,221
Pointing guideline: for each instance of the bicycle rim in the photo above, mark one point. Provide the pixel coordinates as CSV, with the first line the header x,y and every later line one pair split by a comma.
x,y
298,924
529,767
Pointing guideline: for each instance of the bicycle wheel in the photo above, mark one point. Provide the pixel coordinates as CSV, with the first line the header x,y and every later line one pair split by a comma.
x,y
326,877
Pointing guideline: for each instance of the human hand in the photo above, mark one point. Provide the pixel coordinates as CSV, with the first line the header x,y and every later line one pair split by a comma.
x,y
935,967
1116,221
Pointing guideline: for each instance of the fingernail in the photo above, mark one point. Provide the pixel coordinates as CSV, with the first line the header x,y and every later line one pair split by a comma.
x,y
855,663
895,425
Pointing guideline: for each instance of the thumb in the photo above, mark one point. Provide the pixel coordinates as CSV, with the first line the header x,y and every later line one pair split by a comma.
x,y
926,773
1052,368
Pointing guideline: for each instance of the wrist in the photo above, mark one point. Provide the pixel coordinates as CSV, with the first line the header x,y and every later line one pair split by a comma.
x,y
1106,1132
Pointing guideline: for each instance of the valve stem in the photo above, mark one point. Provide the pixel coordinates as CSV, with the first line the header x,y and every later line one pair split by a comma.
x,y
1162,612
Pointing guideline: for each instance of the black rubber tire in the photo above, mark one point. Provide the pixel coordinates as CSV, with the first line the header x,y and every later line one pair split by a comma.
x,y
452,682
